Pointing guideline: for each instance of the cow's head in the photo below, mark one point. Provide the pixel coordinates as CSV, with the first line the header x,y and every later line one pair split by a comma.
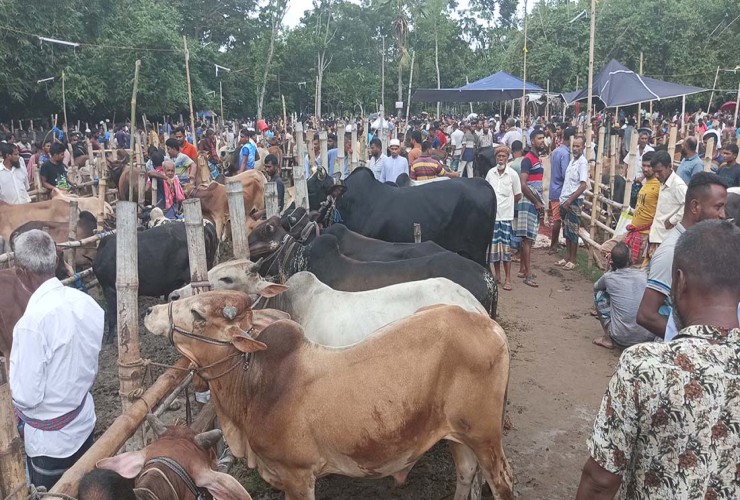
x,y
225,317
193,452
266,238
241,275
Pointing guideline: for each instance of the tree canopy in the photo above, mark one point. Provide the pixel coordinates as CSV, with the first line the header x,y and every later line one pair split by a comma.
x,y
681,40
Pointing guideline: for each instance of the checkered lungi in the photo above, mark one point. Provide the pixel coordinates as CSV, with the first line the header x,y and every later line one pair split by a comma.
x,y
501,242
455,164
528,220
571,221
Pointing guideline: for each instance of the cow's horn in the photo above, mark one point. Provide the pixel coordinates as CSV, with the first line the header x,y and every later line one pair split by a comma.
x,y
229,312
208,439
254,266
156,424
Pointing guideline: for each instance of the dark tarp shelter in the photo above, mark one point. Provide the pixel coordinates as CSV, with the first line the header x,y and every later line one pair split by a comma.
x,y
617,85
500,86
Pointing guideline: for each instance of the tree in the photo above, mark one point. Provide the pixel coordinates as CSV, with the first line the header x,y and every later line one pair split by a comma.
x,y
278,10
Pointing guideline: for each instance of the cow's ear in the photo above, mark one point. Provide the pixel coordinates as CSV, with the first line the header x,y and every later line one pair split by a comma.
x,y
126,464
267,289
244,341
221,486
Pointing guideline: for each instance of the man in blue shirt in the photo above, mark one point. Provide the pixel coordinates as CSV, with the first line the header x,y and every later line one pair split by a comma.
x,y
248,153
691,163
559,164
332,155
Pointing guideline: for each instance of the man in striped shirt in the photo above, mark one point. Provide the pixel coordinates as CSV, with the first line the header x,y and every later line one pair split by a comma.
x,y
427,167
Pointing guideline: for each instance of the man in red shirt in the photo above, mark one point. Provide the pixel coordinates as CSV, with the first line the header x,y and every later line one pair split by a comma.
x,y
185,147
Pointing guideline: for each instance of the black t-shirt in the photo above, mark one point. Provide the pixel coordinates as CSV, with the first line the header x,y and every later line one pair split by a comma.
x,y
53,172
731,174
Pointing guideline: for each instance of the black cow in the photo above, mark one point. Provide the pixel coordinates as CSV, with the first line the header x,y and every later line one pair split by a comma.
x,y
323,258
164,265
457,214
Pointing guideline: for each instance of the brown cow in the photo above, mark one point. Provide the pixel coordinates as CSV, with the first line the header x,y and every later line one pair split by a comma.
x,y
215,202
298,411
12,306
157,469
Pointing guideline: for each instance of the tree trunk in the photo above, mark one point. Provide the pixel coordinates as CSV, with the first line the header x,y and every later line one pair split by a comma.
x,y
319,83
436,65
263,90
400,87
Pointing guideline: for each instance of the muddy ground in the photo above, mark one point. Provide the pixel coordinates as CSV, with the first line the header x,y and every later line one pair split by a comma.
x,y
557,380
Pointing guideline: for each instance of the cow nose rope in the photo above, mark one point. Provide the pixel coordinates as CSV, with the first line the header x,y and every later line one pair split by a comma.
x,y
179,471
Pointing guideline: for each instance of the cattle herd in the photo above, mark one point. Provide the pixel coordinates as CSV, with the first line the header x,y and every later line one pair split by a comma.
x,y
340,346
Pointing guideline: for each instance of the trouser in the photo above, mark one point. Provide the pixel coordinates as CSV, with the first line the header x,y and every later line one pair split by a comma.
x,y
466,167
46,471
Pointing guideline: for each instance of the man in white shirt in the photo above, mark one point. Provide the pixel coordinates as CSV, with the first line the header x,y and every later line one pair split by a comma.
x,y
53,363
642,148
13,176
377,158
456,138
508,188
512,134
395,165
571,201
671,199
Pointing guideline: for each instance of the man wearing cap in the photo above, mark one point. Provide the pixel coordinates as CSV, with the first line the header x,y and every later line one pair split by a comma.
x,y
456,138
394,165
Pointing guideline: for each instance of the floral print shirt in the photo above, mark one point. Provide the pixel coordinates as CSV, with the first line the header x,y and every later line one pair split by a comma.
x,y
669,423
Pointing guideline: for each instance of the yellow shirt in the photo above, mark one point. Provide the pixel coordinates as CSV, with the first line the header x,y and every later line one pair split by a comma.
x,y
647,202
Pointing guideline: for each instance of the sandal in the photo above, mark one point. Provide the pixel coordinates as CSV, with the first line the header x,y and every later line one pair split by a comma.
x,y
507,286
521,275
569,266
561,262
529,281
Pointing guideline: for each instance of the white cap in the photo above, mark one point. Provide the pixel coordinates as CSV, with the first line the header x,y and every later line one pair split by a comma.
x,y
348,129
394,142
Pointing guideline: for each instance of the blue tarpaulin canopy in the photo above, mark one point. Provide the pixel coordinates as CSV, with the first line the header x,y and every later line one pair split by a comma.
x,y
617,85
499,86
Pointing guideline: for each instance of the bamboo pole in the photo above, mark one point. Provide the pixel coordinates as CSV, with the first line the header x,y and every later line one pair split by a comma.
x,y
524,76
83,274
140,177
196,244
310,134
271,199
708,154
323,139
133,129
92,165
122,428
237,214
597,188
102,191
630,171
300,149
130,364
69,253
612,172
589,105
301,188
411,79
355,154
190,100
64,107
672,132
12,465
714,86
339,162
737,106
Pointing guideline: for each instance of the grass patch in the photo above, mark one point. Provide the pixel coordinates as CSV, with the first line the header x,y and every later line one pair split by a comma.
x,y
593,273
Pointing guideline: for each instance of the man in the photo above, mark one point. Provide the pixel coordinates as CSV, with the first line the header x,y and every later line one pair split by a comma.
x,y
642,148
53,363
248,150
706,198
671,199
558,164
79,148
310,168
647,202
426,167
467,155
415,151
730,170
517,153
123,139
14,185
667,426
456,139
185,147
155,172
184,167
333,154
629,129
207,146
395,165
273,174
24,147
377,158
508,188
53,172
485,139
512,133
530,208
571,201
691,164
617,297
440,135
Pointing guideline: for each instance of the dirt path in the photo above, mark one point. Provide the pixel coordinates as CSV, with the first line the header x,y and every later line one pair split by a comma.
x,y
557,380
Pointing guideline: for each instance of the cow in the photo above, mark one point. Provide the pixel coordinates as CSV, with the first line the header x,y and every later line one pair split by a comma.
x,y
404,180
323,258
457,214
238,274
298,411
12,306
163,264
59,231
215,203
178,465
123,185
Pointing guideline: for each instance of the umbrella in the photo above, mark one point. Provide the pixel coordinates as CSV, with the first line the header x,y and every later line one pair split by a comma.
x,y
728,106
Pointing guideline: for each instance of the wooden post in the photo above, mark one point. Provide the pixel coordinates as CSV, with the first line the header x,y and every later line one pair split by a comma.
x,y
339,162
64,108
141,177
133,130
69,253
595,206
12,464
381,132
130,365
672,132
714,87
198,175
417,232
737,106
196,244
271,199
92,166
355,154
362,160
629,173
589,104
310,134
237,214
301,188
612,172
708,154
102,191
323,138
411,79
